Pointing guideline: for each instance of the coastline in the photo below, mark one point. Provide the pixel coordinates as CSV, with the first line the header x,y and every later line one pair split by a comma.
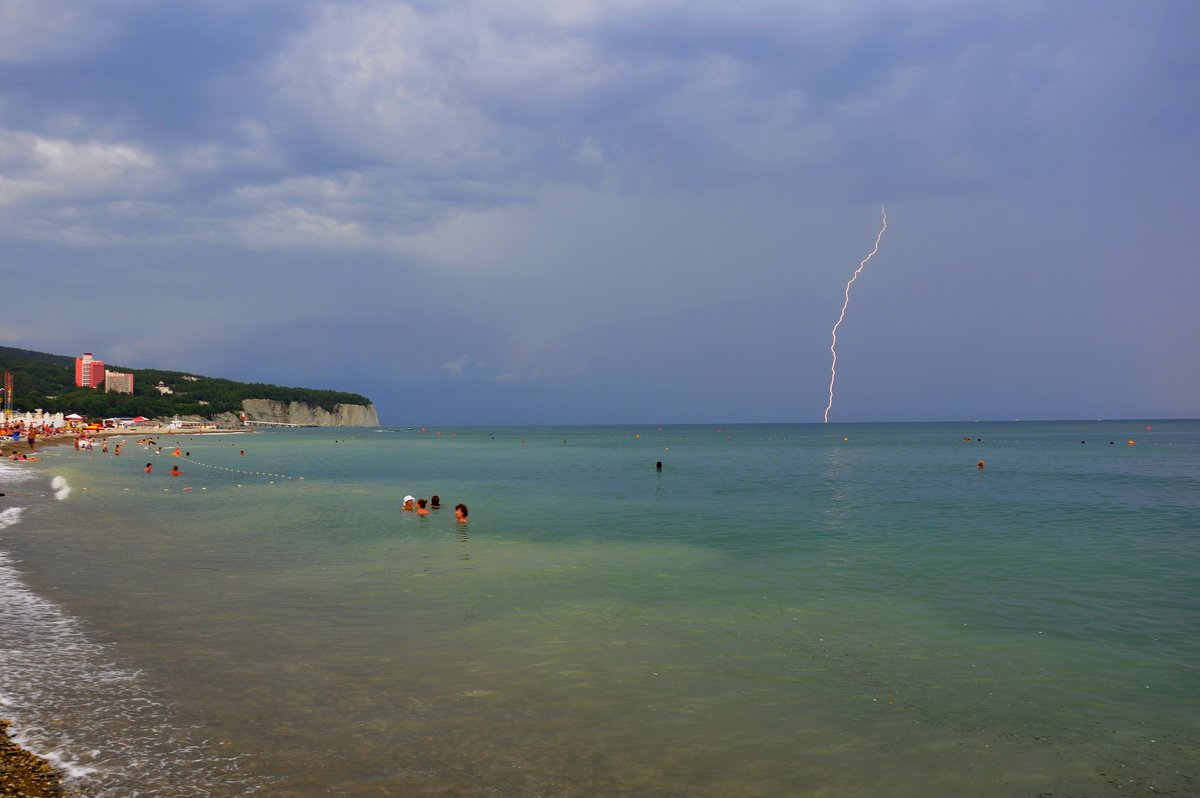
x,y
25,773
9,446
22,772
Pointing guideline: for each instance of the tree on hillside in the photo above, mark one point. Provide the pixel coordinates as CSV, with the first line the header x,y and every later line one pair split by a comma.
x,y
47,381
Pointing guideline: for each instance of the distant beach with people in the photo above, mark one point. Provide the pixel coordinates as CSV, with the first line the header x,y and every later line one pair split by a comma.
x,y
22,772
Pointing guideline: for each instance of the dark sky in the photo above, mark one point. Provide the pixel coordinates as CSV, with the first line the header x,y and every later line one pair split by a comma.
x,y
585,212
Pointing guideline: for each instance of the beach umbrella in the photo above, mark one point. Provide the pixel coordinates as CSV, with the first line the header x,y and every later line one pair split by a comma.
x,y
136,419
74,417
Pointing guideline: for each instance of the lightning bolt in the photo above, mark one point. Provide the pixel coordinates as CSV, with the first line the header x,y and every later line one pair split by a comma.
x,y
842,315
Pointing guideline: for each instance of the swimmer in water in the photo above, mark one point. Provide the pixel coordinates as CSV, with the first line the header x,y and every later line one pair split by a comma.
x,y
460,513
421,507
175,472
435,503
149,469
408,502
980,465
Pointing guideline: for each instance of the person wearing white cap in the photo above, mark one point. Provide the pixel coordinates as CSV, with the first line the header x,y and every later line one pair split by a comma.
x,y
408,502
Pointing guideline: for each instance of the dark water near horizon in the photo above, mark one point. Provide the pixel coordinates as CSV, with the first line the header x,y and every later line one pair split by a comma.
x,y
779,612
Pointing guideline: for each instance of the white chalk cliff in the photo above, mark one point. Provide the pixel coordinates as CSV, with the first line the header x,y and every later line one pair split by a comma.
x,y
304,414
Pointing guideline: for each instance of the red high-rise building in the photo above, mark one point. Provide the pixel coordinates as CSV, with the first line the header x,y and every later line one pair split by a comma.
x,y
89,373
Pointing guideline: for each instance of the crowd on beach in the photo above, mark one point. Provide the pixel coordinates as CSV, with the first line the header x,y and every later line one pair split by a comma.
x,y
18,430
14,434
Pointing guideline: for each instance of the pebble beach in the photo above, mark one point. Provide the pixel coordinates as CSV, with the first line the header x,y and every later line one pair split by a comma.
x,y
23,774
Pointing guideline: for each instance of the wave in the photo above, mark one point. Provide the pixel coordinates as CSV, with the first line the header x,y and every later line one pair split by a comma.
x,y
14,472
9,516
61,489
100,722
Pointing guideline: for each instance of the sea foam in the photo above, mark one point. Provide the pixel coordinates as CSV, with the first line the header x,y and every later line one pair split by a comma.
x,y
9,516
99,722
14,472
61,489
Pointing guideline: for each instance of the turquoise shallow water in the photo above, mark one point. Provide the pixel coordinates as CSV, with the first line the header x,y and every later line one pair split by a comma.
x,y
778,612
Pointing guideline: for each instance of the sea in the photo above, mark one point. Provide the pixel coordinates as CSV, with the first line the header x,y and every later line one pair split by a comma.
x,y
780,610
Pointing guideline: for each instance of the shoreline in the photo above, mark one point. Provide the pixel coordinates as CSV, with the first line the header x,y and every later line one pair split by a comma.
x,y
8,446
24,773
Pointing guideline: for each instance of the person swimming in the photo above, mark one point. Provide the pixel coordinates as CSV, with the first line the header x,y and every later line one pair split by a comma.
x,y
408,502
460,513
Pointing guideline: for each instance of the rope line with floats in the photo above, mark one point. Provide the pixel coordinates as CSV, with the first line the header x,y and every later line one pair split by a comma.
x,y
240,470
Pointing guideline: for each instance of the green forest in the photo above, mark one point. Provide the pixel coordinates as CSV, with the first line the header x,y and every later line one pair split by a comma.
x,y
46,381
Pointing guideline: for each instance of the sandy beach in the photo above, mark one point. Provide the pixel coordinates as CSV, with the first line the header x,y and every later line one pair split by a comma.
x,y
8,446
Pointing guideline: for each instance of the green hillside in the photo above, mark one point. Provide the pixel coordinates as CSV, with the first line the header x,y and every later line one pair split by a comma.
x,y
48,381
